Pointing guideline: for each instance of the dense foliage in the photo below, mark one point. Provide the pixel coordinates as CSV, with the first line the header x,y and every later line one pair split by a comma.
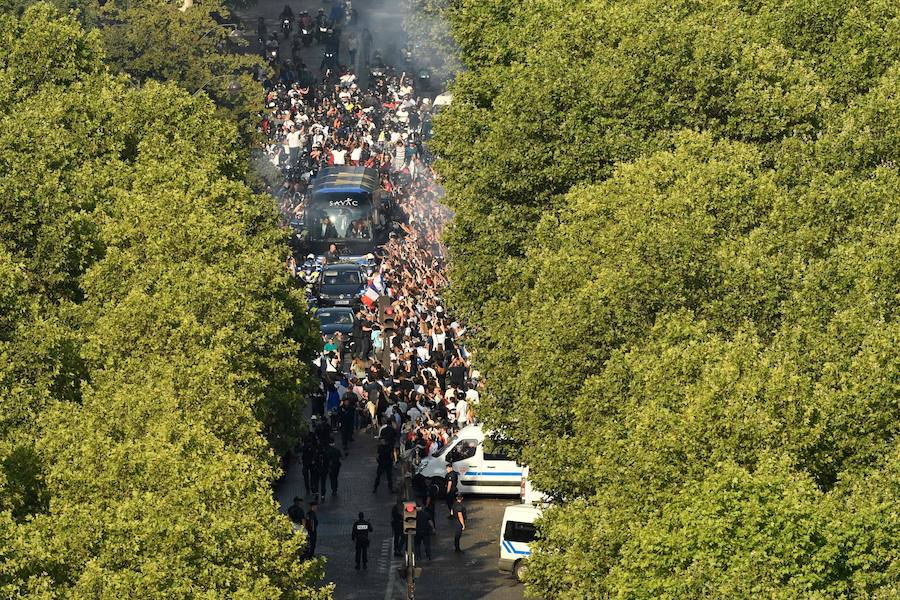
x,y
152,343
677,225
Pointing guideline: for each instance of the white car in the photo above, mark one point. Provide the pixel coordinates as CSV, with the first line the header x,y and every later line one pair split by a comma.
x,y
482,465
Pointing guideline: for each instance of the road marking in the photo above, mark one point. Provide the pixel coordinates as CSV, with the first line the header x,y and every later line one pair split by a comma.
x,y
386,553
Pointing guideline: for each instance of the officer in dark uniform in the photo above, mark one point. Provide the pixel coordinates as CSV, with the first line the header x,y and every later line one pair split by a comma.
x,y
459,521
360,534
312,529
385,466
451,487
397,528
308,457
334,468
319,471
296,514
424,529
346,418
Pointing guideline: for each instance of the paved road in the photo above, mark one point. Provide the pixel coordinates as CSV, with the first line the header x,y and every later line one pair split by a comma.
x,y
471,575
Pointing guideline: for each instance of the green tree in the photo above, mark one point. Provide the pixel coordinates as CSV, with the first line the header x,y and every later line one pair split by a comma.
x,y
153,346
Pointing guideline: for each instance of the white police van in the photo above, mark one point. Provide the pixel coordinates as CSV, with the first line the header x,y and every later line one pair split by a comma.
x,y
516,534
482,464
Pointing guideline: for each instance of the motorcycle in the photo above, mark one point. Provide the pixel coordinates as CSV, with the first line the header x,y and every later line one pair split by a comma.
x,y
272,49
261,33
424,79
286,27
321,30
408,54
305,28
329,60
349,14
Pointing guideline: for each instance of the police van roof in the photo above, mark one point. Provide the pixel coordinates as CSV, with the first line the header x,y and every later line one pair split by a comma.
x,y
345,179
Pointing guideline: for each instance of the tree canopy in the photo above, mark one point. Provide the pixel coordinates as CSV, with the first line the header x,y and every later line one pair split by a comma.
x,y
676,227
153,345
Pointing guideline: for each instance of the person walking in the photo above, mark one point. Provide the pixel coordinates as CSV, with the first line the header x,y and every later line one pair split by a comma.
x,y
334,468
360,535
318,470
424,529
451,488
397,528
385,466
308,457
346,418
312,529
459,516
352,47
296,514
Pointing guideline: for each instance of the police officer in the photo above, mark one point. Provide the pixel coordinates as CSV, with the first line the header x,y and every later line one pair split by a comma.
x,y
459,521
360,534
308,458
424,529
320,469
347,418
397,528
334,468
296,514
451,487
312,529
385,466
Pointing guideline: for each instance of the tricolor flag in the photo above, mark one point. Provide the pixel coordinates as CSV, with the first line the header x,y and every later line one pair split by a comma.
x,y
370,297
377,283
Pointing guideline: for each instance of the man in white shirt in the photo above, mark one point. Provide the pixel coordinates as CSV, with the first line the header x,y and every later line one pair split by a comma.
x,y
293,142
339,154
462,413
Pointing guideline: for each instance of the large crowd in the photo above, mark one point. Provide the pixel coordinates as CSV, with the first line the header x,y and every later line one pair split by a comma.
x,y
404,375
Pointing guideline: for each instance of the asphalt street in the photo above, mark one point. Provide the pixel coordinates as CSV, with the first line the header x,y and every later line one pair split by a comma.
x,y
450,576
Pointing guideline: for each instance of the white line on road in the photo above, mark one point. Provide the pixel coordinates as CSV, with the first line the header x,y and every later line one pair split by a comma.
x,y
392,570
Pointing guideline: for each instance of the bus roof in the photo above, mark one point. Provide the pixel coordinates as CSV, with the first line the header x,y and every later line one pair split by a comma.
x,y
346,179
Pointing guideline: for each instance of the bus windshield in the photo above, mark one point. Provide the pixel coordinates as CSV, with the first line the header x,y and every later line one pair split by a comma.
x,y
333,220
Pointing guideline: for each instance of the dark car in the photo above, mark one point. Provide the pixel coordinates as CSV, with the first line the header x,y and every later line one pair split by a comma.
x,y
340,285
336,319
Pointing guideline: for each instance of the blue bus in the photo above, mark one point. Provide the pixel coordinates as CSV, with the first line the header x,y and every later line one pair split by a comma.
x,y
344,208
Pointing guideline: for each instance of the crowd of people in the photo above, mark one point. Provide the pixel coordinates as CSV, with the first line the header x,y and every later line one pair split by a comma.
x,y
404,374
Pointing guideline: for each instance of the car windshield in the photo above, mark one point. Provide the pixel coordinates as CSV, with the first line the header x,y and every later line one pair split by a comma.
x,y
335,317
440,451
341,278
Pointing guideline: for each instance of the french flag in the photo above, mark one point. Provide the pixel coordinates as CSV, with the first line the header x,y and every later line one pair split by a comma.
x,y
370,297
377,283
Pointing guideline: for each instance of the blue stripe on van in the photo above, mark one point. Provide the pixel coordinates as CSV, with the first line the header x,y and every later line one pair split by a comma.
x,y
507,545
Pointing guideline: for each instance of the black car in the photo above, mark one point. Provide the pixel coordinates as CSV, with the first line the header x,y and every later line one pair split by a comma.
x,y
340,285
336,319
